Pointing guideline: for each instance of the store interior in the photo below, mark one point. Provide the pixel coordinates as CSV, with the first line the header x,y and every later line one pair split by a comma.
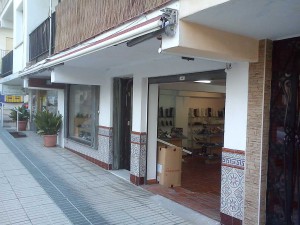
x,y
191,120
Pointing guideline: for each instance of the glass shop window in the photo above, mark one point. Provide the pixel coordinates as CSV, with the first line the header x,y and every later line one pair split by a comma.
x,y
83,113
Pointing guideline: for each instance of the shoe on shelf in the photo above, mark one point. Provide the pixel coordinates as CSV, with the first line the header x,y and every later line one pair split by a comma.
x,y
161,112
166,112
171,111
191,112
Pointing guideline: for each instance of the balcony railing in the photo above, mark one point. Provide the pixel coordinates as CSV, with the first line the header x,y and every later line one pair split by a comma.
x,y
39,40
7,64
3,53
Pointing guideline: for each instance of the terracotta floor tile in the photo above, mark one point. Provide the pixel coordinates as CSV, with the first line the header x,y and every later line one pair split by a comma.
x,y
200,186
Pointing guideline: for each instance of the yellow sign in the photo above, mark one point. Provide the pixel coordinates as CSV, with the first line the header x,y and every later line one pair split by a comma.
x,y
13,98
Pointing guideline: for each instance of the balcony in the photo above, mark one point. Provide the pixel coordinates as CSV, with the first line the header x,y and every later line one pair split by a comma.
x,y
77,20
39,40
7,63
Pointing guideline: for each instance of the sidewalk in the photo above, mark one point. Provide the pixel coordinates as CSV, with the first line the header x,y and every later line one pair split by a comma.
x,y
41,185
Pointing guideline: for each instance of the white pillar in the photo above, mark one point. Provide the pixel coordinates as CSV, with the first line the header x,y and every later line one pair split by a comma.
x,y
139,128
236,106
106,104
235,137
105,134
139,104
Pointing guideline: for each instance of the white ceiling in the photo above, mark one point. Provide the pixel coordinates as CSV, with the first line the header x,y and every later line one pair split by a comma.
x,y
142,59
260,19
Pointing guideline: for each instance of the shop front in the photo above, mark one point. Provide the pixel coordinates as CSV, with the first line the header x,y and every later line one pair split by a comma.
x,y
83,104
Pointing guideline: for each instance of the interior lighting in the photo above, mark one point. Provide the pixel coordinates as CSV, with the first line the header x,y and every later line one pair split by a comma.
x,y
203,81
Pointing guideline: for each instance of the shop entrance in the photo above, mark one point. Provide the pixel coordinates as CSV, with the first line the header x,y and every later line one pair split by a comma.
x,y
123,88
190,117
42,100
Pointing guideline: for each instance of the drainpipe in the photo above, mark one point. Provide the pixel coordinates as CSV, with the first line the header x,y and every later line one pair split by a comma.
x,y
50,27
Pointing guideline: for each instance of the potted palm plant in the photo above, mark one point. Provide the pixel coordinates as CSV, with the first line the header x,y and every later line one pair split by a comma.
x,y
48,125
23,113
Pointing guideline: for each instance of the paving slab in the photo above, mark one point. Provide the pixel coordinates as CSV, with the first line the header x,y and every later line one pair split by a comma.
x,y
42,185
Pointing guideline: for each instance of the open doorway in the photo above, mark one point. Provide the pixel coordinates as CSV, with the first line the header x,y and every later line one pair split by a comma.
x,y
190,116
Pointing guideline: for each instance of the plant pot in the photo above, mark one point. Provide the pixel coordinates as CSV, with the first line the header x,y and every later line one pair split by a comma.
x,y
22,125
50,140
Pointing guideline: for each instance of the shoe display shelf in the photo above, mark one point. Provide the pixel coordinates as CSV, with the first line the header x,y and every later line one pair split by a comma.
x,y
206,135
165,122
166,118
83,128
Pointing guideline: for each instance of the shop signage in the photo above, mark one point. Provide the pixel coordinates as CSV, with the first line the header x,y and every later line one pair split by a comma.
x,y
44,83
12,90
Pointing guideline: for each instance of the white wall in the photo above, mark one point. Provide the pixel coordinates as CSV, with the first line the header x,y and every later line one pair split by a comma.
x,y
18,22
35,12
18,59
182,119
236,106
4,33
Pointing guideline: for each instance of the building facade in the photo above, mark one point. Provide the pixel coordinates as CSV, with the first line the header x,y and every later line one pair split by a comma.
x,y
102,70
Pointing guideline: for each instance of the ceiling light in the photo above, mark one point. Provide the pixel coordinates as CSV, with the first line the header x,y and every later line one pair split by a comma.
x,y
203,81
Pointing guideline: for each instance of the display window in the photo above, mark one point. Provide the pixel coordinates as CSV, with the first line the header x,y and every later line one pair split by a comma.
x,y
83,116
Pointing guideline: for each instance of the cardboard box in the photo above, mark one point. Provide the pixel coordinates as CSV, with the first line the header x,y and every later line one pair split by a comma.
x,y
169,166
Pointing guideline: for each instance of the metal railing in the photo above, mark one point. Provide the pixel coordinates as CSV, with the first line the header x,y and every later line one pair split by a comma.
x,y
6,121
39,39
3,52
7,64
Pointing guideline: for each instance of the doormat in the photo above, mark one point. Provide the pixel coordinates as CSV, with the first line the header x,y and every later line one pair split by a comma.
x,y
16,134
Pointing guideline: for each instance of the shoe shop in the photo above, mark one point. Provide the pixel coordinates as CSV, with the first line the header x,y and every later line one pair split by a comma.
x,y
190,137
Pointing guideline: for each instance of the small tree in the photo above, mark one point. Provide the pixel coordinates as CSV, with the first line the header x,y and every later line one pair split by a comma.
x,y
47,123
23,113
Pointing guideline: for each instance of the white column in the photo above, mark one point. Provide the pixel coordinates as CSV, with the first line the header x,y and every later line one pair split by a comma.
x,y
106,104
235,138
139,104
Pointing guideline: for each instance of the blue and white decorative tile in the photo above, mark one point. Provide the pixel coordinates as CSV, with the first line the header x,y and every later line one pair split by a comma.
x,y
143,138
233,159
103,148
81,149
232,191
134,160
135,138
142,161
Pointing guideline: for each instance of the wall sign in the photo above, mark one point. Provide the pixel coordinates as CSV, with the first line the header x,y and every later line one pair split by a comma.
x,y
12,90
